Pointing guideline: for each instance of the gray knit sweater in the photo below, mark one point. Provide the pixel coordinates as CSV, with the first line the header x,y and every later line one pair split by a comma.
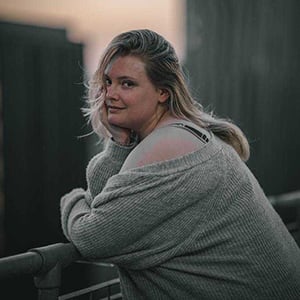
x,y
195,227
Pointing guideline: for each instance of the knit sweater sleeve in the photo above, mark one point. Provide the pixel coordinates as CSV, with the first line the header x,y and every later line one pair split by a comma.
x,y
104,165
101,167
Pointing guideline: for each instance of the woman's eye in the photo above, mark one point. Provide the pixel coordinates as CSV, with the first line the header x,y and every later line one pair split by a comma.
x,y
107,81
128,83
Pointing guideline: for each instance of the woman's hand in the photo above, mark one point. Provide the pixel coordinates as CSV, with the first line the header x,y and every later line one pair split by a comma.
x,y
119,134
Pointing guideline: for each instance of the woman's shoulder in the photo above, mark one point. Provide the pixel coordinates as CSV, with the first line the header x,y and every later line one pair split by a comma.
x,y
164,143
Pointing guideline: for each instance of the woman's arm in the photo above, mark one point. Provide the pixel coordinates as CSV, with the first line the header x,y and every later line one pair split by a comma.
x,y
127,217
106,164
141,210
99,170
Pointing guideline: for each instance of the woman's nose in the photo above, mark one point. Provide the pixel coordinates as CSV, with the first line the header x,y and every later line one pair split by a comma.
x,y
112,93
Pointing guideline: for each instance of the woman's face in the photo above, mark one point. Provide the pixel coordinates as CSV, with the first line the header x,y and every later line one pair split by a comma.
x,y
132,101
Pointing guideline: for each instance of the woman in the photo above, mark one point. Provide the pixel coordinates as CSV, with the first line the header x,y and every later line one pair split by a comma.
x,y
170,200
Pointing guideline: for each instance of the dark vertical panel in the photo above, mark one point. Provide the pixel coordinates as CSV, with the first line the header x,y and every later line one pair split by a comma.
x,y
43,158
243,57
1,173
42,95
62,123
21,136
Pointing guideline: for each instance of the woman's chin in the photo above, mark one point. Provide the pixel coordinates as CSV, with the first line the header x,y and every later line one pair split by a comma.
x,y
112,120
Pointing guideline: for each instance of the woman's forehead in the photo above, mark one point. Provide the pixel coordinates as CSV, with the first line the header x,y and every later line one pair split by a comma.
x,y
126,66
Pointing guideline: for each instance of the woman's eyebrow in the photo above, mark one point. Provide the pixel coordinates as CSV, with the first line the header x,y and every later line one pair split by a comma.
x,y
126,77
121,77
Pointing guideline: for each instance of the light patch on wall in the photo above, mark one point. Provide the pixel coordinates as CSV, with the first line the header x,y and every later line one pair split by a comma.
x,y
95,22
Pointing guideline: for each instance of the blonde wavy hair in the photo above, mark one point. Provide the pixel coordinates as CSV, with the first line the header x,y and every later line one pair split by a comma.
x,y
164,71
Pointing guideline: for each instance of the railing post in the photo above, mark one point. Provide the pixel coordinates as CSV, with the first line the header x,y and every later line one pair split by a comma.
x,y
44,263
48,284
54,257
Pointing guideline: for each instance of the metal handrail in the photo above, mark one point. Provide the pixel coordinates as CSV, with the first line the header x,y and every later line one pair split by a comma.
x,y
291,199
44,264
38,260
286,201
90,289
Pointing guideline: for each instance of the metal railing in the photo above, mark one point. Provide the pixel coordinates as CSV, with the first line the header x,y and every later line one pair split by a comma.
x,y
45,264
289,201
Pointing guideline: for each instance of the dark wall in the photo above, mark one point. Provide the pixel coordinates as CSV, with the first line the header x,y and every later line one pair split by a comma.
x,y
41,79
243,62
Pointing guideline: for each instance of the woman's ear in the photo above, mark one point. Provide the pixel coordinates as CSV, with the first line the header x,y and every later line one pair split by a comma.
x,y
164,95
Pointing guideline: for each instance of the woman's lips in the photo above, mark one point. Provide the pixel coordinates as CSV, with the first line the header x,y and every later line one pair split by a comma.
x,y
112,109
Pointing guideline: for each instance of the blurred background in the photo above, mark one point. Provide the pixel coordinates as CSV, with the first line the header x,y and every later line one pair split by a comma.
x,y
242,59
